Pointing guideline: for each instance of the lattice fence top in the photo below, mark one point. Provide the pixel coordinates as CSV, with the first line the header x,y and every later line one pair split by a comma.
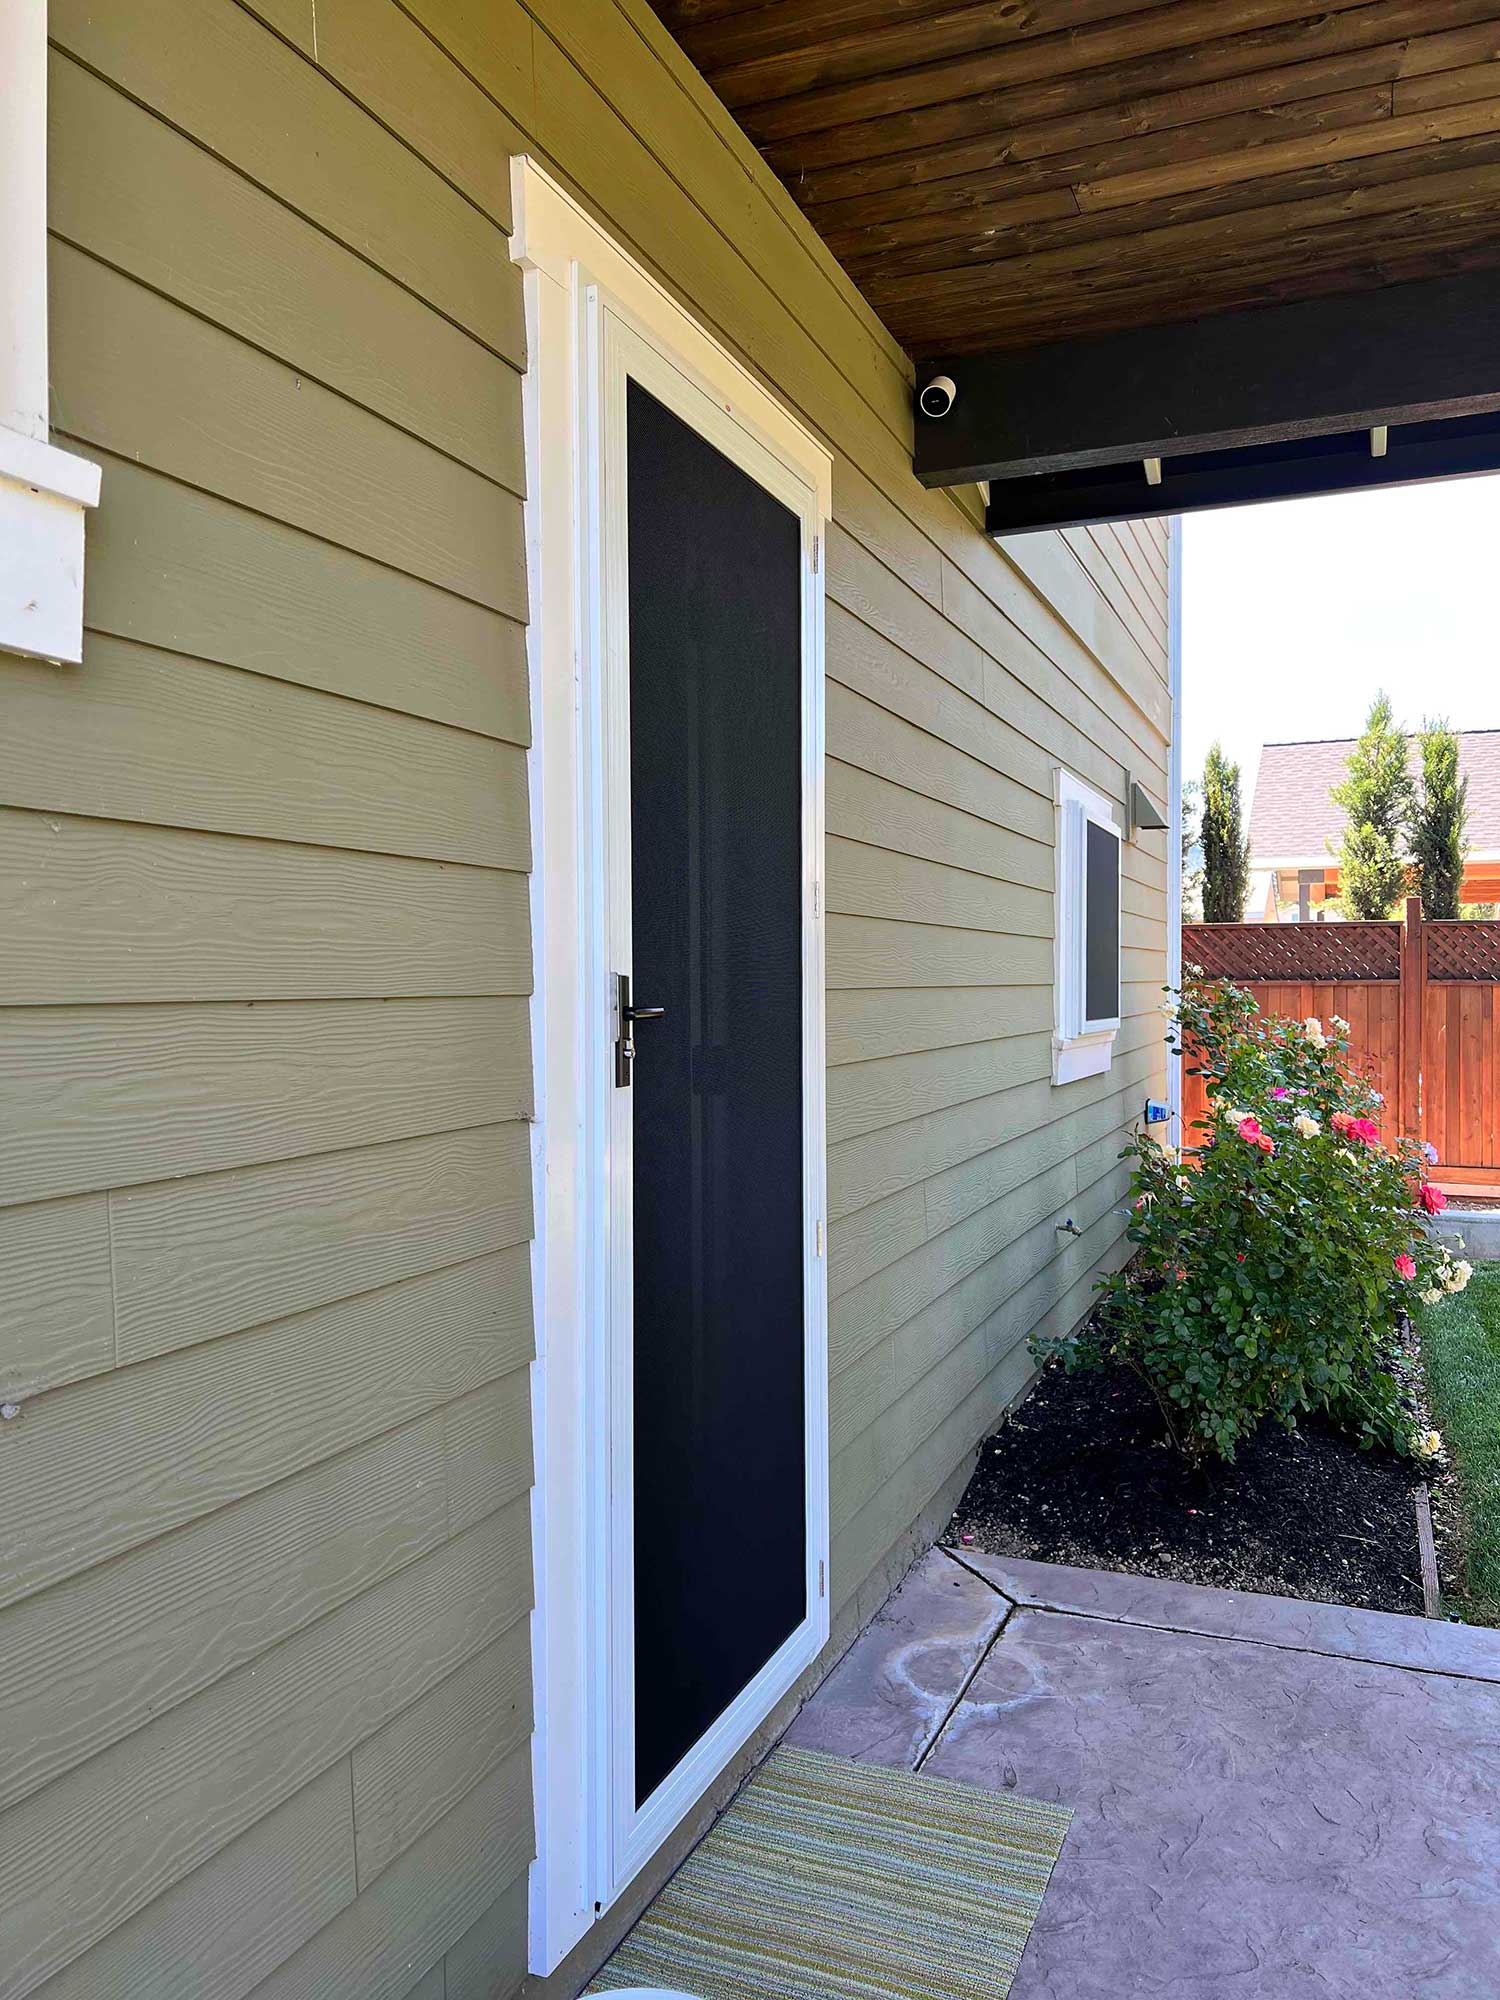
x,y
1462,951
1298,952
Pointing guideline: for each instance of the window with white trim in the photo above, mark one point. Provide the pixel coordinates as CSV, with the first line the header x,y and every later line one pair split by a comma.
x,y
1087,968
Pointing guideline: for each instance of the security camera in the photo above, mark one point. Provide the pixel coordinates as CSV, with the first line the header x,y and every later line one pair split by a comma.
x,y
938,398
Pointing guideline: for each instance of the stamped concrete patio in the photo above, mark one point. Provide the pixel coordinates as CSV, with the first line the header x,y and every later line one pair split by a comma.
x,y
1270,1798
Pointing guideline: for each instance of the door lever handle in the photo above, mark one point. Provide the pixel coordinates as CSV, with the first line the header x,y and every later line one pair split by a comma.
x,y
627,1016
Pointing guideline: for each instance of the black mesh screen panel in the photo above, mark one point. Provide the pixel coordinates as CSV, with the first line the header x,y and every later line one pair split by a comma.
x,y
1101,960
716,803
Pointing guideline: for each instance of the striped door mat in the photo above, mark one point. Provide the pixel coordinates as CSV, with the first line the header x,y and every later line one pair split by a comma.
x,y
832,1880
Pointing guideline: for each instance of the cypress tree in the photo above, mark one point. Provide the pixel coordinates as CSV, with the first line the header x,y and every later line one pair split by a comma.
x,y
1192,857
1376,798
1440,815
1226,850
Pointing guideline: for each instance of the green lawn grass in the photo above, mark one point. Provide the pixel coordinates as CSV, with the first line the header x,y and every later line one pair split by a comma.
x,y
1461,1348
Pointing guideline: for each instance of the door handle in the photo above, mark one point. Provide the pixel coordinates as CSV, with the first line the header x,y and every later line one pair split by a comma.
x,y
628,1015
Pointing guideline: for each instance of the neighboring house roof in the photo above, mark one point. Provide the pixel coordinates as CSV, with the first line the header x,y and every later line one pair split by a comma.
x,y
1294,819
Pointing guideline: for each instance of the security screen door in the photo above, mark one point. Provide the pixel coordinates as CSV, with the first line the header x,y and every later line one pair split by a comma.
x,y
708,1117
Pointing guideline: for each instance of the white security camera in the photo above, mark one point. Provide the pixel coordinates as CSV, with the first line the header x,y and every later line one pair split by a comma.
x,y
939,396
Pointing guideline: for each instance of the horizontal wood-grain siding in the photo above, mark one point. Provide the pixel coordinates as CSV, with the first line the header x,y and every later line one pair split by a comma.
x,y
265,1202
105,1097
265,1215
175,741
129,912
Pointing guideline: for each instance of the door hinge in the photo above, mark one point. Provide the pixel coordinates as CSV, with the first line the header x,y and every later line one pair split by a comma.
x,y
822,1581
818,1235
817,899
817,552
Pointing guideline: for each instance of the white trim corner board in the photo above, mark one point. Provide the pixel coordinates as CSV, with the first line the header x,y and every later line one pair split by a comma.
x,y
1174,810
594,316
44,491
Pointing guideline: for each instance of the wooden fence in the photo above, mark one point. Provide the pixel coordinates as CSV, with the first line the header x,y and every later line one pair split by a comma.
x,y
1421,1001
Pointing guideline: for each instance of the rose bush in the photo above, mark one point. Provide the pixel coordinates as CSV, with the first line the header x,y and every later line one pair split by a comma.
x,y
1276,1260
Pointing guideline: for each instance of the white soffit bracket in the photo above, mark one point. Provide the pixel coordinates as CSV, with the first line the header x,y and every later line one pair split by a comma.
x,y
44,491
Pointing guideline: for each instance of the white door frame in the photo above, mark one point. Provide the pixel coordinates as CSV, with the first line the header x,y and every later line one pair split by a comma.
x,y
1174,809
592,314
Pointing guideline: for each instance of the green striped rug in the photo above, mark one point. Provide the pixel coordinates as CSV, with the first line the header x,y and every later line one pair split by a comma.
x,y
832,1880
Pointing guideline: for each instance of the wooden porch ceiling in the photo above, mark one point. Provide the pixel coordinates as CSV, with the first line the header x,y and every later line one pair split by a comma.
x,y
1008,173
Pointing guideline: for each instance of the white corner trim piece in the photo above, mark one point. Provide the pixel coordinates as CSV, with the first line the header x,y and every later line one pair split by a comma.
x,y
1174,808
44,495
44,492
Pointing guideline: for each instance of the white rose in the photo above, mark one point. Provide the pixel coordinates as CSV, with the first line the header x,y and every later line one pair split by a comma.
x,y
1432,1296
1312,1027
1308,1127
1430,1444
1338,1021
1459,1276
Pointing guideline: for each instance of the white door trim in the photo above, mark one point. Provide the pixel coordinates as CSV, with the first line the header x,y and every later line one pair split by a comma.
x,y
1174,808
589,306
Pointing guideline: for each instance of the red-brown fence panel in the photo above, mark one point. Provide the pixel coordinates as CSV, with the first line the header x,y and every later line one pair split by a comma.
x,y
1461,1047
1295,953
1371,1007
1422,1000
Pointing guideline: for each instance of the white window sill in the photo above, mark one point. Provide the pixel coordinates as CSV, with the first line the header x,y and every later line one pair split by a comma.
x,y
1083,1055
44,495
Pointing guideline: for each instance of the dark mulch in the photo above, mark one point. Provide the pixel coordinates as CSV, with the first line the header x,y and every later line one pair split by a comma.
x,y
1080,1474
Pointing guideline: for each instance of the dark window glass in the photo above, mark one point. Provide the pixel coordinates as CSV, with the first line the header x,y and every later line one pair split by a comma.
x,y
1101,940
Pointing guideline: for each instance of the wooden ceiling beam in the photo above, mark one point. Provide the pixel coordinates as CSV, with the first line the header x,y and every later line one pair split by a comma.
x,y
784,49
1394,134
1190,255
1163,37
1450,86
716,36
941,177
1235,231
926,213
1026,236
955,184
1310,56
998,173
1411,354
1441,253
1315,467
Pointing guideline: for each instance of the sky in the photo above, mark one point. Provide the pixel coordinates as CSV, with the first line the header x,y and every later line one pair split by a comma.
x,y
1295,614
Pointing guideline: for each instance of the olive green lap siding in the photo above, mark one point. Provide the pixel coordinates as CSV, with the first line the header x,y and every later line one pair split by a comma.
x,y
265,1193
264,1221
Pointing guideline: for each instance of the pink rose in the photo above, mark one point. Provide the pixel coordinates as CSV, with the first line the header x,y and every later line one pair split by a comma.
x,y
1431,1198
1366,1129
1266,1143
1249,1130
1281,1091
1405,1267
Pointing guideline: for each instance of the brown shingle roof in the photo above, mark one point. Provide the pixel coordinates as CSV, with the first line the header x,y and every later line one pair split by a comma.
x,y
1292,817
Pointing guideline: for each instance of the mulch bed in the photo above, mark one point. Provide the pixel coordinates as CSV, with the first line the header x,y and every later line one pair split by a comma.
x,y
1079,1474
